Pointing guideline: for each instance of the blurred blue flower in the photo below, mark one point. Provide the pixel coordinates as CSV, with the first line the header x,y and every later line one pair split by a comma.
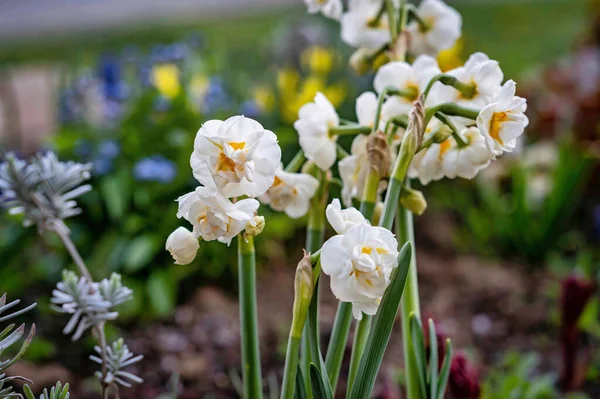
x,y
109,149
250,109
216,98
155,168
102,166
82,148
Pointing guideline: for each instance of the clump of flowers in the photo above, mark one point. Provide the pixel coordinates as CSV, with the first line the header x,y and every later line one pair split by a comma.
x,y
418,123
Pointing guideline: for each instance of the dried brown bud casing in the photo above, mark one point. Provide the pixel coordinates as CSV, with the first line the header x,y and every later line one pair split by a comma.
x,y
378,153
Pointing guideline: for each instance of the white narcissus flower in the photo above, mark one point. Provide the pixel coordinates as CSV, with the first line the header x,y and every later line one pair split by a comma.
x,y
330,8
214,216
467,161
484,75
359,263
183,245
343,219
366,106
313,124
427,164
411,79
359,27
504,120
442,30
291,193
237,156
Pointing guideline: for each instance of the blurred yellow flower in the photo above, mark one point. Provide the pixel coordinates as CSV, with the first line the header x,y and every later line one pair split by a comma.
x,y
318,59
166,79
287,80
451,58
263,96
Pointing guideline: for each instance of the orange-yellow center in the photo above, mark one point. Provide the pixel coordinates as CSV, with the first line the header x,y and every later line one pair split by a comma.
x,y
225,164
496,124
444,147
237,145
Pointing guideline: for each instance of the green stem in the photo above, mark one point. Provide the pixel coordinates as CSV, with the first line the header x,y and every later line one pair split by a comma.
x,y
389,91
455,133
409,304
349,130
249,318
451,109
291,367
296,162
467,90
341,152
391,12
360,340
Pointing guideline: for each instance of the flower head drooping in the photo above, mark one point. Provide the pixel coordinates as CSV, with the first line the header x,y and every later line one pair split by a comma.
x,y
364,26
359,263
483,75
214,216
291,193
237,156
466,161
438,29
343,219
330,8
502,121
313,124
183,245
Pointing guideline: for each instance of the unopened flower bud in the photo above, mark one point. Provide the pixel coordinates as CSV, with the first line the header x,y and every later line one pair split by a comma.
x,y
411,141
441,134
303,290
255,226
413,200
360,61
377,213
464,379
182,245
378,153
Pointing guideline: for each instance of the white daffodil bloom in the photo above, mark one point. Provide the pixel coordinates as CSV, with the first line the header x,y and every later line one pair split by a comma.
x,y
237,156
483,75
353,170
368,307
291,193
359,263
467,161
183,245
504,120
442,28
366,106
343,219
360,26
313,124
214,216
412,80
330,8
427,165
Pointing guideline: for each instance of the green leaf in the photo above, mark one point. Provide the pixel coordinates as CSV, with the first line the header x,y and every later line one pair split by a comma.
x,y
28,393
139,253
381,328
161,290
419,348
320,391
445,371
433,361
300,392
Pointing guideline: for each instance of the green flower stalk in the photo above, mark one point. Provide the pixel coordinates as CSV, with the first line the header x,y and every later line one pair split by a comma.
x,y
303,291
251,370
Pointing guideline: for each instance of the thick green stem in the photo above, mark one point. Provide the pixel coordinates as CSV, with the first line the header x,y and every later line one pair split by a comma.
x,y
291,368
451,109
249,318
409,304
455,132
358,346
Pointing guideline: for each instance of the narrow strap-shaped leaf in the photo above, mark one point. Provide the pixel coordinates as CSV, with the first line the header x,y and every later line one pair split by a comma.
x,y
319,390
12,338
300,392
65,392
419,350
445,371
433,361
28,393
381,328
23,349
6,331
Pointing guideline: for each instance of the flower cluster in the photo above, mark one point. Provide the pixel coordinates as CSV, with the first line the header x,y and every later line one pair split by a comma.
x,y
118,356
234,158
359,259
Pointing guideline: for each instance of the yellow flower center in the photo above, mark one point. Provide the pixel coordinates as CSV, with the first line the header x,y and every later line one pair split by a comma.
x,y
496,124
366,250
225,164
237,145
444,147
